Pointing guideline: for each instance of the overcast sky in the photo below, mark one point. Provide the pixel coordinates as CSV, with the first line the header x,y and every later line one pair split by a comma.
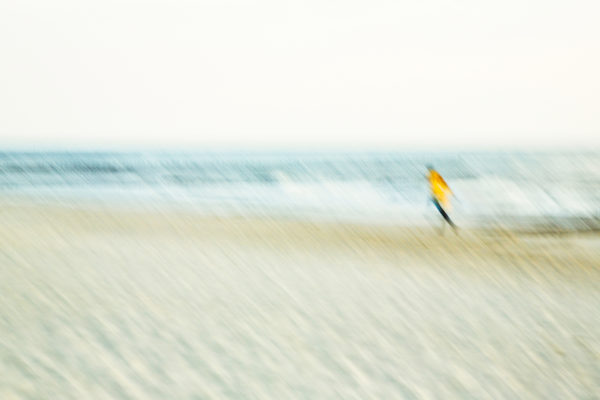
x,y
516,73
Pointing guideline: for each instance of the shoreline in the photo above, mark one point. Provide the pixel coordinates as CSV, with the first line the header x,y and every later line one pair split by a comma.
x,y
515,225
523,246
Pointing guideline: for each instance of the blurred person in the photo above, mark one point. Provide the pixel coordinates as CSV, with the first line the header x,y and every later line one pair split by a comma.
x,y
440,195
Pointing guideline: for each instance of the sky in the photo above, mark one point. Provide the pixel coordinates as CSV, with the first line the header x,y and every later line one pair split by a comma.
x,y
376,73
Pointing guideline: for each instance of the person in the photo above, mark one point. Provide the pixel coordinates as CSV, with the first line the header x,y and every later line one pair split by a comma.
x,y
440,194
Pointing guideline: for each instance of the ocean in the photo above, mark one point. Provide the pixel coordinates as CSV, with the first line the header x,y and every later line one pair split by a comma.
x,y
374,187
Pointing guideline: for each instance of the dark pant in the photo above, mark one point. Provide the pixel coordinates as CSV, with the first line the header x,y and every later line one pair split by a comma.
x,y
443,212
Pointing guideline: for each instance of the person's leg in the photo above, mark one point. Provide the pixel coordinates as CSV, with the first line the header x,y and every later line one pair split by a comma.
x,y
444,213
440,210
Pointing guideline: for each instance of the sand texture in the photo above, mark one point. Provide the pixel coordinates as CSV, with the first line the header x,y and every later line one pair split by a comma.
x,y
108,304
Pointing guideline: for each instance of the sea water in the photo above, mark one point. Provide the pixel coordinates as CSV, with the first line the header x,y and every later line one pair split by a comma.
x,y
380,187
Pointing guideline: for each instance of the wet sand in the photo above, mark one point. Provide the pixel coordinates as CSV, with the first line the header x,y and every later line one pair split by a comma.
x,y
109,304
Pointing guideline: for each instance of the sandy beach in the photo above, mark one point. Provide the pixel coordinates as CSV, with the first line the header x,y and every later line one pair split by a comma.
x,y
154,304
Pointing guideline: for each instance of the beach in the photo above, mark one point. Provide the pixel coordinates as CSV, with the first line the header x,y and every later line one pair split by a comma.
x,y
107,303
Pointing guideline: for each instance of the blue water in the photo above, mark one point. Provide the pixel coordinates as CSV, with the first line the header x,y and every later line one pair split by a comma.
x,y
376,186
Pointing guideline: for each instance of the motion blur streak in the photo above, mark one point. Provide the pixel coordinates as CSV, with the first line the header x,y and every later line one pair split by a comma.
x,y
288,275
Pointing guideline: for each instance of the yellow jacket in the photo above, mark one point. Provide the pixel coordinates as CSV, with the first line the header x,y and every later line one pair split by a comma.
x,y
439,188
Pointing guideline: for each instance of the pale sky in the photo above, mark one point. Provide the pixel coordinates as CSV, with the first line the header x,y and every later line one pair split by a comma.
x,y
314,72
